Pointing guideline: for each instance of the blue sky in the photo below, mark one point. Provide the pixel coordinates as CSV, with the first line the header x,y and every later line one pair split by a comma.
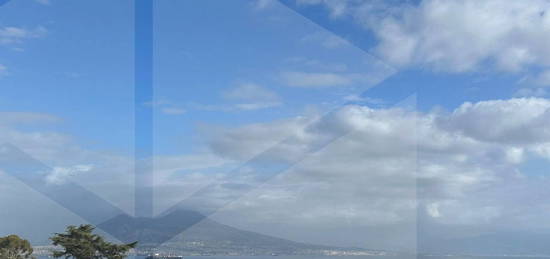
x,y
70,70
234,78
84,66
224,50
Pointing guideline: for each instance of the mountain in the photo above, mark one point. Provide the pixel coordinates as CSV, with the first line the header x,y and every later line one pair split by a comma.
x,y
188,232
151,231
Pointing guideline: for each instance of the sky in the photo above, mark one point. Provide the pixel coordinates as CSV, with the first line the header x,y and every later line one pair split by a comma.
x,y
375,124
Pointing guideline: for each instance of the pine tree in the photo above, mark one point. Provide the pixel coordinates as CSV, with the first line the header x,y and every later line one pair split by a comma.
x,y
13,247
80,243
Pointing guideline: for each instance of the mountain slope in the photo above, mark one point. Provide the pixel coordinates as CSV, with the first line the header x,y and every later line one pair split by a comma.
x,y
188,232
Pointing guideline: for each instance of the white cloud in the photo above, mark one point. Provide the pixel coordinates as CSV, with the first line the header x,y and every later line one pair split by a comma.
x,y
15,35
306,72
16,118
178,176
243,97
320,80
249,92
459,167
252,97
362,99
391,159
165,107
259,137
60,175
68,159
455,35
433,210
173,111
459,36
516,121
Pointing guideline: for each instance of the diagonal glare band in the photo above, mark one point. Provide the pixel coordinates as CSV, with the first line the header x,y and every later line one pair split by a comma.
x,y
69,195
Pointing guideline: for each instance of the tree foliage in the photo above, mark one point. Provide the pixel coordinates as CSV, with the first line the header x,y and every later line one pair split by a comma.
x,y
13,247
80,243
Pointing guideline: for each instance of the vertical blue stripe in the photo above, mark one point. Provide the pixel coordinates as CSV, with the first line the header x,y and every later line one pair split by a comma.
x,y
143,112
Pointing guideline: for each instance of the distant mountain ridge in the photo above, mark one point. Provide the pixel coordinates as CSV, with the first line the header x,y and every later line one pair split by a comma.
x,y
151,231
189,232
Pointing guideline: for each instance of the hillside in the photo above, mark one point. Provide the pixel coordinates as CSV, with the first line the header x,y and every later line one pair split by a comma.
x,y
188,232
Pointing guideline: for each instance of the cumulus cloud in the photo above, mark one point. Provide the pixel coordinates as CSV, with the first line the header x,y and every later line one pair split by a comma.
x,y
517,121
167,166
390,161
223,141
460,167
459,36
455,36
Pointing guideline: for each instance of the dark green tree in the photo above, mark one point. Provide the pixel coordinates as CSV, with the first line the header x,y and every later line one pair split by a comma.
x,y
80,243
13,247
